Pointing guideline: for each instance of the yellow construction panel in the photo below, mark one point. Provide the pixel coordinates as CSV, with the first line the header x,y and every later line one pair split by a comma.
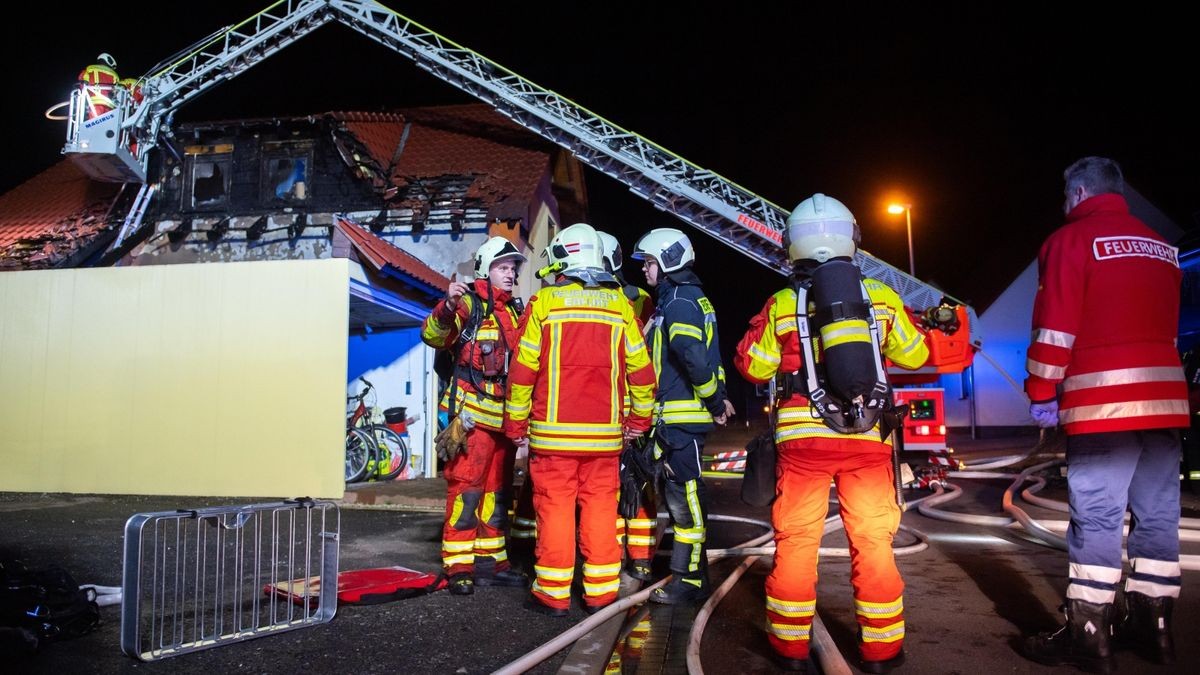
x,y
208,380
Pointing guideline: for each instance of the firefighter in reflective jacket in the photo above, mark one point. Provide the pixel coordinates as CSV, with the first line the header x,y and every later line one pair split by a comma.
x,y
811,454
682,338
478,325
580,352
99,80
636,533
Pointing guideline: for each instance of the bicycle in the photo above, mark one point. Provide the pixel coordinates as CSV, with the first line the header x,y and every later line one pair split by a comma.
x,y
373,451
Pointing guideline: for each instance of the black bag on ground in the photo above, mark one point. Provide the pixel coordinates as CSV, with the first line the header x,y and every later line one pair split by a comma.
x,y
758,482
46,602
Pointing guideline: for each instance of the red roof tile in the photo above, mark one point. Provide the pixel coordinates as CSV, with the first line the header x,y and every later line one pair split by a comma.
x,y
47,218
385,258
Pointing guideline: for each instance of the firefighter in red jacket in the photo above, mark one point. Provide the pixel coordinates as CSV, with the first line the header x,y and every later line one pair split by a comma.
x,y
580,352
99,81
811,452
478,324
636,533
1102,363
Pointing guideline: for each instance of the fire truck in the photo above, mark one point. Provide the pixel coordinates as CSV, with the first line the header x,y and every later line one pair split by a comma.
x,y
120,146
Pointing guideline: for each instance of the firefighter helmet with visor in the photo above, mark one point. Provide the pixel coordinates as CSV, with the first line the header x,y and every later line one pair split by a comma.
x,y
576,247
612,252
820,228
107,60
670,248
492,251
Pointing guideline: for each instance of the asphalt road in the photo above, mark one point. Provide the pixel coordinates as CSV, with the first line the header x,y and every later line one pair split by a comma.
x,y
969,596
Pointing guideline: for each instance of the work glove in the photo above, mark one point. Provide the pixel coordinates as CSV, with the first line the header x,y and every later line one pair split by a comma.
x,y
631,493
452,440
1045,414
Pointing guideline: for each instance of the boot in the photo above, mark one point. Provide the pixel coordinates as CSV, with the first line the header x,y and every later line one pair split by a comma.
x,y
639,568
682,590
1146,627
461,584
792,665
1084,641
508,577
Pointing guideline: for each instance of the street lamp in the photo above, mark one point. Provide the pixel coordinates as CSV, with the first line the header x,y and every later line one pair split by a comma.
x,y
906,209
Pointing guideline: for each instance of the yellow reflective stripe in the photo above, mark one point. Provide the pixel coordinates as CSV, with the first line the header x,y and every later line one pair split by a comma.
x,y
1111,378
688,330
879,610
1054,338
785,324
1112,411
890,633
455,546
569,445
555,368
790,632
556,317
590,569
461,559
786,415
689,535
683,405
487,334
557,573
489,542
530,345
601,588
556,592
708,388
687,418
572,428
821,431
843,332
1045,370
792,609
644,523
636,540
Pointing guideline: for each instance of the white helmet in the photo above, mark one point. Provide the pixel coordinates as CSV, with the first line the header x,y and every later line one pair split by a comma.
x,y
492,251
612,251
820,228
670,248
107,60
576,247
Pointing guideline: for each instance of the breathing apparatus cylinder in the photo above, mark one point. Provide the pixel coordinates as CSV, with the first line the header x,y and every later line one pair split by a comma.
x,y
843,321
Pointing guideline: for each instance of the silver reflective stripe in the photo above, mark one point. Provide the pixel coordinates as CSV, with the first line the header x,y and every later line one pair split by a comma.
x,y
1113,411
1045,371
1158,568
1152,589
1109,378
1054,338
1108,575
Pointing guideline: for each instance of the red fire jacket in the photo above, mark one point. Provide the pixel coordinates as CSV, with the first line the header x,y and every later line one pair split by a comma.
x,y
580,352
1105,321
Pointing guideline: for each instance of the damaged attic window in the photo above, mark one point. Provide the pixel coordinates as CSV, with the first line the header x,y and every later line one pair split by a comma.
x,y
208,181
285,176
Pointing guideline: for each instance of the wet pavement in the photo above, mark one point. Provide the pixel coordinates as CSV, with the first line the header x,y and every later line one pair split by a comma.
x,y
969,595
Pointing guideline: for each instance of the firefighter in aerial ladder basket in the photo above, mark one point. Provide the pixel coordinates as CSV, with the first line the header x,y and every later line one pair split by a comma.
x,y
99,82
475,326
821,340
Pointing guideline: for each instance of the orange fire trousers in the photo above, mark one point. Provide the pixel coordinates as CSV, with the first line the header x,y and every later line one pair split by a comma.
x,y
867,498
560,484
478,482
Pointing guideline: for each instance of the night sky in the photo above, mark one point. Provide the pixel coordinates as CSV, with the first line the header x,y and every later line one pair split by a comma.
x,y
969,114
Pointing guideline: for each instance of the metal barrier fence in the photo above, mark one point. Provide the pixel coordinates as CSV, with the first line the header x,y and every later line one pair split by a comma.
x,y
200,578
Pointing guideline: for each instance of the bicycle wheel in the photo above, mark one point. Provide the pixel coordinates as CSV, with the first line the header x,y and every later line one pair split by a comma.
x,y
393,452
359,448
